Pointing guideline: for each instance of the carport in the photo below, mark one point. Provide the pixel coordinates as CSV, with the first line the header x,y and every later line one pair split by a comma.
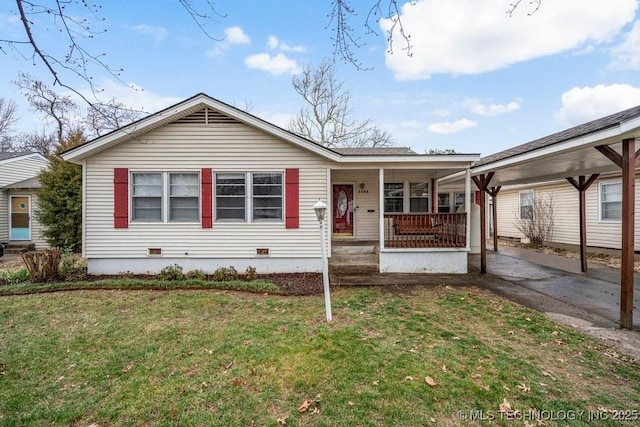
x,y
579,155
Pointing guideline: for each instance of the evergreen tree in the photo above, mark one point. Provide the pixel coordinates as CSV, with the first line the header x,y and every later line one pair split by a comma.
x,y
60,198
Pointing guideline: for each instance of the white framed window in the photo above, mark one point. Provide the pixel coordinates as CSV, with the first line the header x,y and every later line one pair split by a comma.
x,y
394,197
165,196
249,196
184,197
267,196
418,197
444,203
610,200
146,196
459,200
526,204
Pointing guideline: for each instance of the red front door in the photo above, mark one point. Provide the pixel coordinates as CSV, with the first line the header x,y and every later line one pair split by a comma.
x,y
343,210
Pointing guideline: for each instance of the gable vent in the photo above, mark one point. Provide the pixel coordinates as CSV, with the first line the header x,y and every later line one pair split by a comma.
x,y
206,117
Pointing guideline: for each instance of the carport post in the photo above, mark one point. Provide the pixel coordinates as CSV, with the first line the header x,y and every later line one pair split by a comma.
x,y
494,214
627,162
482,182
582,186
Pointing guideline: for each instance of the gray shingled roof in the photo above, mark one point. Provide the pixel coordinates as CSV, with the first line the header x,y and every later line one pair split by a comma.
x,y
374,151
4,155
24,184
565,135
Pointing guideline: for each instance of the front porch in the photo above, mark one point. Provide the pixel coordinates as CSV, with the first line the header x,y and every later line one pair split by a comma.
x,y
416,225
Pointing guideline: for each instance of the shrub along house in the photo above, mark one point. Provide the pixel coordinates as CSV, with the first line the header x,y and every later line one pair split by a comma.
x,y
204,185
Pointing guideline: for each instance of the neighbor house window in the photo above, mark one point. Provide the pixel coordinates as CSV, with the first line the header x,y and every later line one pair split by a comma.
x,y
393,197
184,197
249,196
418,197
526,204
610,201
146,196
150,201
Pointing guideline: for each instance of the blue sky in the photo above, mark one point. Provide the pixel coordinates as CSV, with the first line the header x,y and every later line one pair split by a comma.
x,y
478,81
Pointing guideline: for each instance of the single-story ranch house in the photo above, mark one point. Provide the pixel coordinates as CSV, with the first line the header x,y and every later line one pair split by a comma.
x,y
204,185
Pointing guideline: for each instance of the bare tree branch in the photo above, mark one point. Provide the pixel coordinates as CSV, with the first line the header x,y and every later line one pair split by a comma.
x,y
345,38
7,116
44,100
203,18
326,116
535,5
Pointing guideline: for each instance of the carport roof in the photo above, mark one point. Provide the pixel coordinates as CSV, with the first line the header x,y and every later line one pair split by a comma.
x,y
570,152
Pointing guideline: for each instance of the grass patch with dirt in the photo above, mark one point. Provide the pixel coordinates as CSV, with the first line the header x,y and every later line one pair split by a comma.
x,y
428,356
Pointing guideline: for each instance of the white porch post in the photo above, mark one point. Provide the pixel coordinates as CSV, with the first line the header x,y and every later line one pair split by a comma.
x,y
381,205
467,205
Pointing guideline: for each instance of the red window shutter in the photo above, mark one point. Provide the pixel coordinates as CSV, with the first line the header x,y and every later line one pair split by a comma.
x,y
292,197
121,198
207,194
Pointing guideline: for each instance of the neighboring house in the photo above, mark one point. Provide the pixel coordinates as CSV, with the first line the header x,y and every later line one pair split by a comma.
x,y
18,198
603,211
205,185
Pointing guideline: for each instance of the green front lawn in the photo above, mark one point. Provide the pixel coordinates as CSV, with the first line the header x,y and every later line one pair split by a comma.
x,y
418,356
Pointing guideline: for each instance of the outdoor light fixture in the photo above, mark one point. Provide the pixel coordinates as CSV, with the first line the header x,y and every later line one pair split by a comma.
x,y
321,210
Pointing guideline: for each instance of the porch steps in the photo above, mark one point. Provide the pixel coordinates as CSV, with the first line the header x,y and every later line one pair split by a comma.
x,y
351,258
18,248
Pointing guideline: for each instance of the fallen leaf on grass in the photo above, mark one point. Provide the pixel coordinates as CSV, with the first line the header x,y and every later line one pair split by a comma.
x,y
523,388
408,378
505,406
430,381
305,406
548,374
444,368
315,411
350,403
375,382
282,421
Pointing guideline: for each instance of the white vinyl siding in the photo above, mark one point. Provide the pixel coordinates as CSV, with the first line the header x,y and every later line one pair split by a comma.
x,y
604,234
225,148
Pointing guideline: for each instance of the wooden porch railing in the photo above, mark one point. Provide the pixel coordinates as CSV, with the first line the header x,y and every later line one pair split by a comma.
x,y
442,230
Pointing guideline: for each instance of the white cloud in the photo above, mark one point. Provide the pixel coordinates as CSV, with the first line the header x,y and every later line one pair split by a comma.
x,y
451,127
626,56
582,104
471,36
236,35
273,42
277,65
232,36
158,33
492,110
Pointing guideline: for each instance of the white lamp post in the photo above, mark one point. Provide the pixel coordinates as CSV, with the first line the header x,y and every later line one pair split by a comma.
x,y
321,210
